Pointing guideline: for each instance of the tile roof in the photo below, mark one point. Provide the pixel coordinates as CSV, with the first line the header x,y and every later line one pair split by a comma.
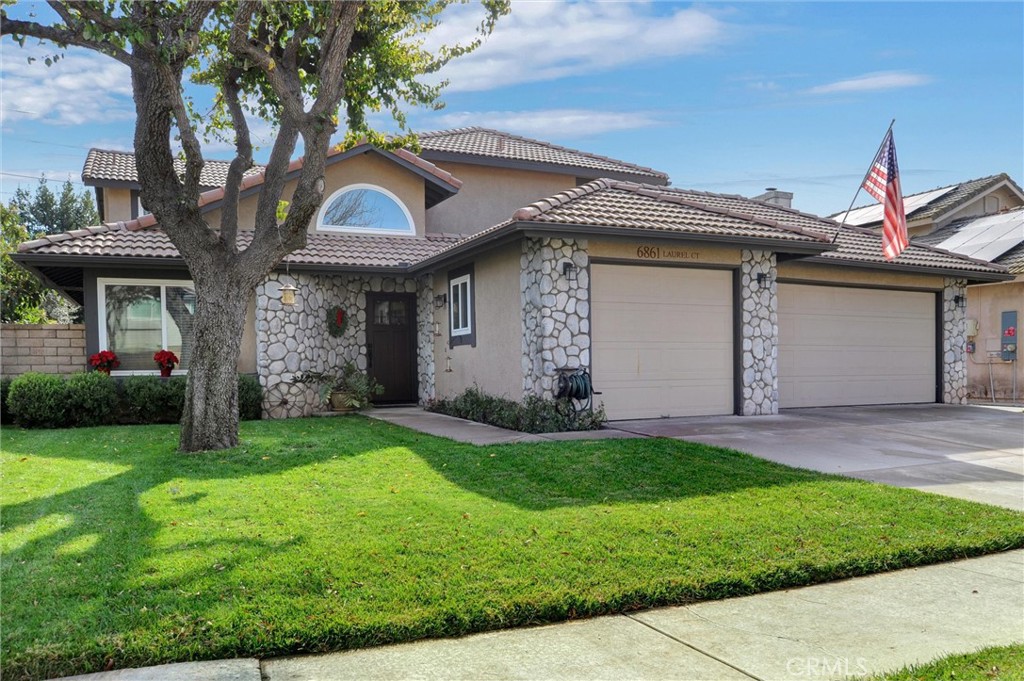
x,y
103,165
612,204
116,240
119,166
1013,259
945,201
484,142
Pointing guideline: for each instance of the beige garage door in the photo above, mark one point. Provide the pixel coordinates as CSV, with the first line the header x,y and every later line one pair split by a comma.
x,y
844,346
662,341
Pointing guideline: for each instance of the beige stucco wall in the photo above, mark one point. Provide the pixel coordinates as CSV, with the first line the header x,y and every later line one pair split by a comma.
x,y
976,208
495,363
985,303
854,276
491,195
247,349
654,252
117,204
370,168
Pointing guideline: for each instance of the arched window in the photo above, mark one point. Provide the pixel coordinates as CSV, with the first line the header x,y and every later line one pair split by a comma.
x,y
365,208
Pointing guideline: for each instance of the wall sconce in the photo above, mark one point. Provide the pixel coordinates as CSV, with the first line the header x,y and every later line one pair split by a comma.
x,y
288,294
764,279
440,300
447,364
569,270
437,328
960,301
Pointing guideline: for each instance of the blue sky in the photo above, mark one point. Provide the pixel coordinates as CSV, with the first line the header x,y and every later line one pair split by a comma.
x,y
725,97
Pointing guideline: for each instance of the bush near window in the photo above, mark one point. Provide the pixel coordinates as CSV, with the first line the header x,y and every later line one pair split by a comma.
x,y
38,400
532,415
94,398
91,399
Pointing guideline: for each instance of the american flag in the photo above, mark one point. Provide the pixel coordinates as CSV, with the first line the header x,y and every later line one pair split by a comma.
x,y
883,183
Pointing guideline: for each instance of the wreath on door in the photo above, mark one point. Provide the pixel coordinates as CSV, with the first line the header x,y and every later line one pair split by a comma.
x,y
337,321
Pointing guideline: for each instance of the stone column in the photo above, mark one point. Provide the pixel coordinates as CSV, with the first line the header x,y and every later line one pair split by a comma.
x,y
556,311
759,333
954,342
425,337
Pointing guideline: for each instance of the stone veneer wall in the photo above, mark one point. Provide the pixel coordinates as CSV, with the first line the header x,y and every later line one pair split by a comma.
x,y
425,337
954,343
556,312
295,339
759,333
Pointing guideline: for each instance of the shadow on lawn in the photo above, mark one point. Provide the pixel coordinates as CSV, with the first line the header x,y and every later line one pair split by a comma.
x,y
552,475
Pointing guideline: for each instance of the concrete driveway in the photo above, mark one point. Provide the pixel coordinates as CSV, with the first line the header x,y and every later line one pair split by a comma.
x,y
971,452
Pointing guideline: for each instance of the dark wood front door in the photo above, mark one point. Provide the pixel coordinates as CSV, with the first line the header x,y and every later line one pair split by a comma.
x,y
391,345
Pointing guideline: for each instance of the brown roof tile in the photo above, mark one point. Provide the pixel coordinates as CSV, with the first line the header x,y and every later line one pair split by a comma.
x,y
488,143
103,165
336,250
961,193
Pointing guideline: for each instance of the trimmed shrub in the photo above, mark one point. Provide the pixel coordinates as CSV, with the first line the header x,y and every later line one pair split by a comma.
x,y
148,399
532,415
5,386
91,399
37,400
250,398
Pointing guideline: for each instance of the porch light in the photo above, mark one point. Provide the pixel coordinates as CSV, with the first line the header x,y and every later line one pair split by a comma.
x,y
569,270
960,301
288,294
764,279
440,300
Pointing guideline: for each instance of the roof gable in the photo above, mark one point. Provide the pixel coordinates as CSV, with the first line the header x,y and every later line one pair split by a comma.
x,y
494,147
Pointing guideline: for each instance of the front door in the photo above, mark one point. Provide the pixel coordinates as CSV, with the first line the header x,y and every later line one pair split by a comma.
x,y
391,345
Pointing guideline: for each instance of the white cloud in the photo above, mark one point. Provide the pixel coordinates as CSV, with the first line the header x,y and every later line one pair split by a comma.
x,y
551,122
871,82
78,89
542,41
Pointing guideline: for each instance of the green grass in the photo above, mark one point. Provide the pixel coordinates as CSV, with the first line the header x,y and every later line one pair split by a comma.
x,y
999,663
326,534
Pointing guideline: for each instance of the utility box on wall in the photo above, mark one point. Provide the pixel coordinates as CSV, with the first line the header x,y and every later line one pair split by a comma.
x,y
1008,337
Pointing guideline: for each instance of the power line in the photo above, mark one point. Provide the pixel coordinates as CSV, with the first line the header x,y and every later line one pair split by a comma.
x,y
39,177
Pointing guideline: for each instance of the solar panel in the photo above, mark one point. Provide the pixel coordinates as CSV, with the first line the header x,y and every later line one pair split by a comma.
x,y
988,237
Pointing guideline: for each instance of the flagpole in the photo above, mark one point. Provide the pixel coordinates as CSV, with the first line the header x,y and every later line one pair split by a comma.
x,y
863,180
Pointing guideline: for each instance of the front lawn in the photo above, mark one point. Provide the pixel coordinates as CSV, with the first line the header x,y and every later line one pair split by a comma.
x,y
999,663
325,534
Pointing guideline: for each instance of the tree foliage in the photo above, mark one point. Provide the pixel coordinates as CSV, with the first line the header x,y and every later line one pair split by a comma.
x,y
309,67
21,294
45,212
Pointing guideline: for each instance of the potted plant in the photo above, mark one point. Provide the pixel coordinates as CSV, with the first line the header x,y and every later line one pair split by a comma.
x,y
165,359
103,361
345,390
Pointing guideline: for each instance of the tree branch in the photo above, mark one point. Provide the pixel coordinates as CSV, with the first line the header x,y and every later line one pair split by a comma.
x,y
239,164
61,36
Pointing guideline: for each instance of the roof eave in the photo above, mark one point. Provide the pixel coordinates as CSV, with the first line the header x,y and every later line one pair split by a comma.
x,y
970,275
556,168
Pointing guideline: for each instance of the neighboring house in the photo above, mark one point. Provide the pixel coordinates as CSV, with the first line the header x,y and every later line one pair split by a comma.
x,y
937,208
498,261
994,308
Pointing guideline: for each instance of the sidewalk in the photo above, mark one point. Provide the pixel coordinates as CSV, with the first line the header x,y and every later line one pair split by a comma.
x,y
829,631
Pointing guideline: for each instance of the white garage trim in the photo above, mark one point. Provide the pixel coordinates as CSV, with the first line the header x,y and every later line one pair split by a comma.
x,y
852,346
662,340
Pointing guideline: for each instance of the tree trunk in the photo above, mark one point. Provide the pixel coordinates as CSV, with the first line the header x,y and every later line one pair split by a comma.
x,y
210,418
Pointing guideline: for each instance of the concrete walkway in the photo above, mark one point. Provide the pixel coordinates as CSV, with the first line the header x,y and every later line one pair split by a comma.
x,y
471,432
830,631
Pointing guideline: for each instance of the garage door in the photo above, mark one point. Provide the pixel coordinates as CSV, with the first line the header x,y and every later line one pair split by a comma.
x,y
662,341
844,346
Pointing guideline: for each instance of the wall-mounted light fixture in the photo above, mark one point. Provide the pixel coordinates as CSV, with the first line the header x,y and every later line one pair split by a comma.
x,y
960,301
764,279
447,364
569,270
437,328
440,300
288,294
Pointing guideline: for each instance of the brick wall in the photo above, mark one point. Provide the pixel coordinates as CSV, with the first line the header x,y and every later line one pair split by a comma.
x,y
46,348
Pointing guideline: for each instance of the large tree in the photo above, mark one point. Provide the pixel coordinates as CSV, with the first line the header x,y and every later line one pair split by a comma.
x,y
303,65
44,212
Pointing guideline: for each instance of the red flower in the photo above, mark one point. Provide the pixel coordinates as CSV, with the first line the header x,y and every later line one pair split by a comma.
x,y
104,360
165,359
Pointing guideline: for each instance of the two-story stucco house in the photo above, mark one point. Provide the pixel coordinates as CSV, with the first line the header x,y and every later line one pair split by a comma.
x,y
494,260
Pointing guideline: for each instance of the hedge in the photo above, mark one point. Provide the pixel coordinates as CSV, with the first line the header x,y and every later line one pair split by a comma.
x,y
36,400
532,415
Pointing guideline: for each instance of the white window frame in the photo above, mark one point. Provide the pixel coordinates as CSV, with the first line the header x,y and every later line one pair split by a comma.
x,y
101,317
467,328
409,231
